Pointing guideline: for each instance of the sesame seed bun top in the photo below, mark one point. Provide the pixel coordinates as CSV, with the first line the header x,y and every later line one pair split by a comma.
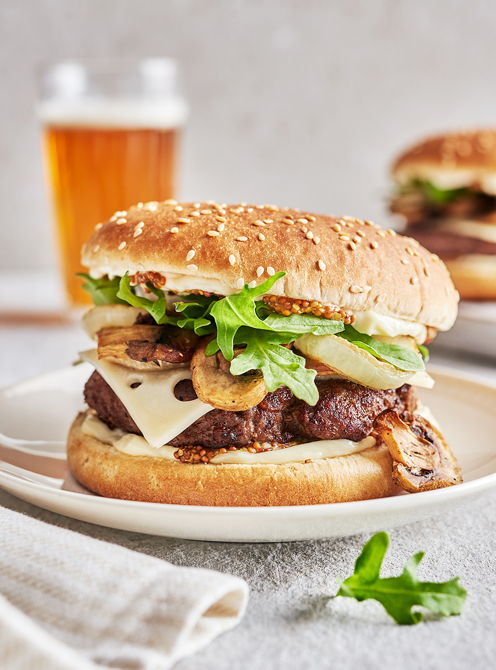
x,y
217,248
451,160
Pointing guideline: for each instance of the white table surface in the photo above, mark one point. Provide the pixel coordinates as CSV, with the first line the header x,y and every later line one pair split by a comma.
x,y
290,623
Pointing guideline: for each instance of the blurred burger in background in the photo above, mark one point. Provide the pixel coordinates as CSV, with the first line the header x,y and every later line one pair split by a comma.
x,y
446,194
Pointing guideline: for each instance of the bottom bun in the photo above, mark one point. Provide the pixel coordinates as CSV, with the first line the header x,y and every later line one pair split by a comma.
x,y
474,276
106,471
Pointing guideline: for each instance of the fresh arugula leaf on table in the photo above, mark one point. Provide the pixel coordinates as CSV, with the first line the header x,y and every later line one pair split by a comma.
x,y
398,595
401,357
280,366
103,291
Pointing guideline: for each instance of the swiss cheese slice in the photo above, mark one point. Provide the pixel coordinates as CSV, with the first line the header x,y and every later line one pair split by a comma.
x,y
149,398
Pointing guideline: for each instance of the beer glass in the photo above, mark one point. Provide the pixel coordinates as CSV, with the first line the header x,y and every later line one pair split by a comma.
x,y
110,140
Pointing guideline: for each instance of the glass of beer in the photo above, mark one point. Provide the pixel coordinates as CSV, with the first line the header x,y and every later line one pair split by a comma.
x,y
110,138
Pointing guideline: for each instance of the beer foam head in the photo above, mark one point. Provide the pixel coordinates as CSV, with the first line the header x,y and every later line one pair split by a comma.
x,y
114,113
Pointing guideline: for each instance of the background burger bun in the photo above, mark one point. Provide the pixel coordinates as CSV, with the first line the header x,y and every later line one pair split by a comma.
x,y
474,275
217,248
451,160
106,471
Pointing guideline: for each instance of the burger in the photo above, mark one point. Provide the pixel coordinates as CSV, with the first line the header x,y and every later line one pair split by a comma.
x,y
256,355
446,193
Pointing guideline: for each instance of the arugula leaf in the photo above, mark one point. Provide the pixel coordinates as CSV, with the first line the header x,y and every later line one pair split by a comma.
x,y
195,314
157,308
440,196
398,595
424,351
237,310
280,366
102,291
401,357
303,323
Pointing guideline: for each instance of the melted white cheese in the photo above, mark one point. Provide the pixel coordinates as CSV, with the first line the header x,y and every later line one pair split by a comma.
x,y
372,323
135,445
159,415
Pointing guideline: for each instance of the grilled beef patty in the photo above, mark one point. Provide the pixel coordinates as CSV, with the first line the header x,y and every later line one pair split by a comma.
x,y
345,410
449,245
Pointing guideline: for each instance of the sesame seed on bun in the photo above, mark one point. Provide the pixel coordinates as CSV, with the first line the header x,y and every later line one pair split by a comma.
x,y
217,248
451,160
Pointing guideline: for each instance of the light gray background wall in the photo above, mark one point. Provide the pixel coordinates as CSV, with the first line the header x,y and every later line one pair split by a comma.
x,y
298,102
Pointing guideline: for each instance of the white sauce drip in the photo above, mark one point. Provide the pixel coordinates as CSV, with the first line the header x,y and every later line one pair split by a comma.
x,y
135,445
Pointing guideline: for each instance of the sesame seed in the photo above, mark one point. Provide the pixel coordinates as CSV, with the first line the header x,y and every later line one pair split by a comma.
x,y
221,219
357,240
137,231
413,280
240,282
96,248
253,283
121,246
268,220
98,226
205,211
192,267
410,251
151,206
270,271
232,259
304,229
272,208
213,233
259,223
183,220
336,228
175,229
241,238
351,246
373,244
311,218
309,235
190,255
405,261
345,238
196,213
426,272
303,220
381,233
321,265
359,289
261,237
139,205
360,233
250,210
369,223
434,258
121,221
316,240
170,202
178,208
221,227
197,205
391,232
260,270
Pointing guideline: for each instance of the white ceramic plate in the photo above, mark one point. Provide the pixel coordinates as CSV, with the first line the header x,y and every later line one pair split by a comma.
x,y
35,415
474,331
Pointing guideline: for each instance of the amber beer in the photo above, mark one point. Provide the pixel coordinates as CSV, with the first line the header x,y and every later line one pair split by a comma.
x,y
110,137
96,171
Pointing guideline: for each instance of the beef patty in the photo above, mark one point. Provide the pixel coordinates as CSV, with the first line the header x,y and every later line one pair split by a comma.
x,y
449,245
344,410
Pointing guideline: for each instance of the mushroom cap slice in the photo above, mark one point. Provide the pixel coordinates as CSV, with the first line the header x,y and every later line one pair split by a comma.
x,y
422,460
215,385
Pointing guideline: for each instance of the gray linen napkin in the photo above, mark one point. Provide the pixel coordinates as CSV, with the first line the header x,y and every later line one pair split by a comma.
x,y
70,601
